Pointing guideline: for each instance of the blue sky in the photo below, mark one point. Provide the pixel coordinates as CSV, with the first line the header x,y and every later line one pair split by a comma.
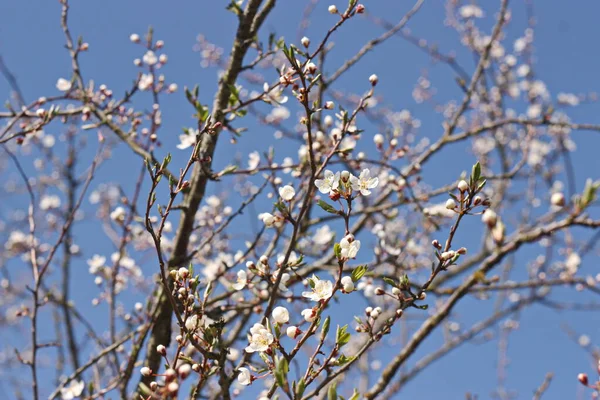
x,y
566,39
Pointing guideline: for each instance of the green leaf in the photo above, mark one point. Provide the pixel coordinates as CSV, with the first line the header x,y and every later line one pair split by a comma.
x,y
404,282
342,337
355,395
325,328
300,388
332,392
358,272
327,207
337,250
390,282
476,172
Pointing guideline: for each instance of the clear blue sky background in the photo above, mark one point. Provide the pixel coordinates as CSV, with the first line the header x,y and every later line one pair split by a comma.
x,y
567,35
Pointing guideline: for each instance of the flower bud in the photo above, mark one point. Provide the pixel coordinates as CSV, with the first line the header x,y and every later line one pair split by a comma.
x,y
184,371
583,378
332,9
264,259
145,371
378,139
305,41
345,175
360,9
183,272
153,386
435,243
134,37
462,251
379,291
170,374
396,291
450,204
476,200
373,79
557,199
173,387
280,315
347,284
329,105
489,218
463,186
311,68
162,350
293,332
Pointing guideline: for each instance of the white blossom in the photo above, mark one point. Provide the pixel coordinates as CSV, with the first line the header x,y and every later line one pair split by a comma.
x,y
287,192
187,140
321,290
241,280
347,284
95,263
280,315
267,219
260,339
72,391
329,183
470,11
244,377
253,160
349,246
63,85
332,9
150,58
364,182
145,82
118,214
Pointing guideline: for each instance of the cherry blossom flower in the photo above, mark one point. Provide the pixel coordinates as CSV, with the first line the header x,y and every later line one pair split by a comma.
x,y
260,339
281,315
332,9
253,160
287,192
118,214
349,246
470,11
267,219
321,289
145,82
63,85
242,279
72,391
150,58
364,182
329,183
244,377
95,263
187,140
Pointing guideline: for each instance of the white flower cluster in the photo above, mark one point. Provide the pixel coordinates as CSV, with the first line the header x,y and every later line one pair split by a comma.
x,y
340,183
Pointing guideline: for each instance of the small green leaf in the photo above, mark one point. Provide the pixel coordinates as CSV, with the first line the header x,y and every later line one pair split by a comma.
x,y
332,392
327,207
390,282
358,272
337,250
325,328
476,172
300,388
342,337
355,395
